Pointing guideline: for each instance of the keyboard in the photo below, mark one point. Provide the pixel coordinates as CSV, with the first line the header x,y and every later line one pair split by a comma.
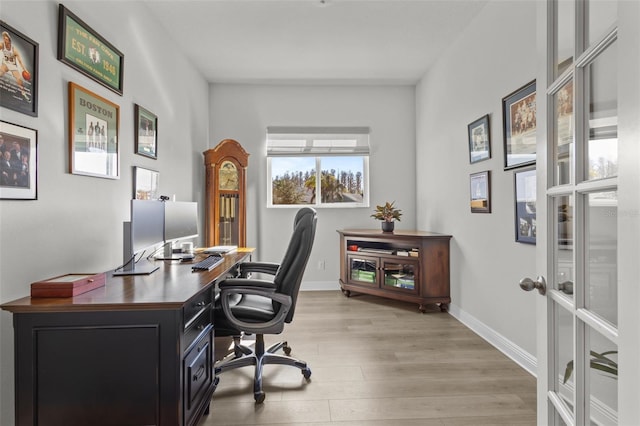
x,y
208,263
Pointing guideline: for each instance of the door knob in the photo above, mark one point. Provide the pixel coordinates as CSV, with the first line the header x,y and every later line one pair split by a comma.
x,y
527,284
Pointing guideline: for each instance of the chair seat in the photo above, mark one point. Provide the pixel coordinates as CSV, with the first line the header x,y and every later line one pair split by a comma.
x,y
249,307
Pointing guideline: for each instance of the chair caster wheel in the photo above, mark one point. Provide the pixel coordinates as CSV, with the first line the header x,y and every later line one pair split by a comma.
x,y
259,397
306,373
287,350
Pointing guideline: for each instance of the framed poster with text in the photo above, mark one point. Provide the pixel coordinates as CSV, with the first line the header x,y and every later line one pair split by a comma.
x,y
82,48
93,134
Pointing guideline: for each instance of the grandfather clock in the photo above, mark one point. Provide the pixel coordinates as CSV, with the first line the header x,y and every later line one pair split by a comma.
x,y
226,187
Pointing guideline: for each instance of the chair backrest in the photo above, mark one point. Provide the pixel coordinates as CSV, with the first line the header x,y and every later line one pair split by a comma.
x,y
289,275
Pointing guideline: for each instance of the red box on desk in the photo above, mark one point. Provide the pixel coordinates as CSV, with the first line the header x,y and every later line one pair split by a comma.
x,y
68,285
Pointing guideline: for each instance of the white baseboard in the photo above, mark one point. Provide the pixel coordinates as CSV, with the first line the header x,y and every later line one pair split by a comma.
x,y
319,285
504,345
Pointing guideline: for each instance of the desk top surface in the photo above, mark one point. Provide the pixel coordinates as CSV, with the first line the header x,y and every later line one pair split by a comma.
x,y
167,288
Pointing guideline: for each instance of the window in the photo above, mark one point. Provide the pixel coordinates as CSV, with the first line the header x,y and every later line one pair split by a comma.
x,y
320,167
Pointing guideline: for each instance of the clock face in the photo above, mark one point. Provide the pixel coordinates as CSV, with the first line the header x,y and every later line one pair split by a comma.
x,y
228,177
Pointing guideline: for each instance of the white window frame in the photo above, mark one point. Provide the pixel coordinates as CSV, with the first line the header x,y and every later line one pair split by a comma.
x,y
319,143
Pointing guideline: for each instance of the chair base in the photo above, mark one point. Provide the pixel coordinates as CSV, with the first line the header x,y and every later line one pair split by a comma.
x,y
245,356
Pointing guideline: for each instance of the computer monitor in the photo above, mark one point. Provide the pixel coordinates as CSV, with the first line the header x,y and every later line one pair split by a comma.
x,y
144,231
180,223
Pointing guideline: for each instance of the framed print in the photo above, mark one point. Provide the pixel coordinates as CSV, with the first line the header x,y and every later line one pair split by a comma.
x,y
519,125
480,189
146,184
479,140
18,72
93,134
146,134
525,199
82,48
18,162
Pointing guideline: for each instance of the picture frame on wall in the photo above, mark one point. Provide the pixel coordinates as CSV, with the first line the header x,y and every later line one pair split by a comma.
x,y
146,135
19,82
83,49
94,123
480,192
18,162
519,126
479,139
146,184
525,205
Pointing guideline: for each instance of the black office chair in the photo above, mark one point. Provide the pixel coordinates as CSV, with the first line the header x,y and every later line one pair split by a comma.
x,y
261,306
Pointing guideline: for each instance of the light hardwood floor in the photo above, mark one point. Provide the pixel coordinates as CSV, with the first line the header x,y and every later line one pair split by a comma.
x,y
379,362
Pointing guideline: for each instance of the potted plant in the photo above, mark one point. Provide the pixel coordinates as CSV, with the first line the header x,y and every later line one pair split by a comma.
x,y
387,213
598,362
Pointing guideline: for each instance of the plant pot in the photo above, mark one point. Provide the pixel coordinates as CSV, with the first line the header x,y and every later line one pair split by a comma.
x,y
387,226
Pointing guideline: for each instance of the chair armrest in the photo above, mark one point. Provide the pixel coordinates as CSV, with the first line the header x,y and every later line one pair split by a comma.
x,y
247,283
259,267
273,326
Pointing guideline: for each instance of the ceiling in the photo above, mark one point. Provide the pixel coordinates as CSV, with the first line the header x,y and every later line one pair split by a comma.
x,y
314,41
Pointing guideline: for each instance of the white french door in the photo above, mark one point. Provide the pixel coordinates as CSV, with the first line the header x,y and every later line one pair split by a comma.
x,y
588,180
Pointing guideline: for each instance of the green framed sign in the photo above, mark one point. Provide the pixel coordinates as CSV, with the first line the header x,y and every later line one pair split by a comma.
x,y
82,48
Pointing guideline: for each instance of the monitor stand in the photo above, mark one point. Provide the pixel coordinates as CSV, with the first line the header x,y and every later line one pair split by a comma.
x,y
130,266
143,267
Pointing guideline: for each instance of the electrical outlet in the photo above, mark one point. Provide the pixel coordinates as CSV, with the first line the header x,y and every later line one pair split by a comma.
x,y
321,264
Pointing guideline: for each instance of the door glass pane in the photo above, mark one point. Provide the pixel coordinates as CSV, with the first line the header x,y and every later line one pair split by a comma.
x,y
565,35
602,15
563,112
603,116
399,275
363,270
564,383
563,245
601,251
603,380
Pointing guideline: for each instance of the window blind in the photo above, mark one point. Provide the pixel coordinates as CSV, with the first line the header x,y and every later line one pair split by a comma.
x,y
317,141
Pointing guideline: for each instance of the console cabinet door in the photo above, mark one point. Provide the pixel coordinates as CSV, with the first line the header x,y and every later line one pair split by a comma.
x,y
401,274
363,270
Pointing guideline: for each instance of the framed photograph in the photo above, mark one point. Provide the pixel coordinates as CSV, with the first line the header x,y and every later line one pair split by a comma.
x,y
146,184
93,134
146,134
18,72
85,50
18,162
479,140
519,125
525,200
480,190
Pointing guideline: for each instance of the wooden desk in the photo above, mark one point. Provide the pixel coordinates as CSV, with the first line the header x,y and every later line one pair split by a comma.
x,y
137,351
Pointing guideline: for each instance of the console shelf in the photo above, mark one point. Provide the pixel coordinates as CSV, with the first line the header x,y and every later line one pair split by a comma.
x,y
410,266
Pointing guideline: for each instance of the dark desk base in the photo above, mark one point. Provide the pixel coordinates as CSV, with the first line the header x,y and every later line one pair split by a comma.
x,y
137,351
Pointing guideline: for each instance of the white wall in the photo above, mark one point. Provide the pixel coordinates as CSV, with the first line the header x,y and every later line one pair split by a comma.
x,y
493,57
76,223
243,112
